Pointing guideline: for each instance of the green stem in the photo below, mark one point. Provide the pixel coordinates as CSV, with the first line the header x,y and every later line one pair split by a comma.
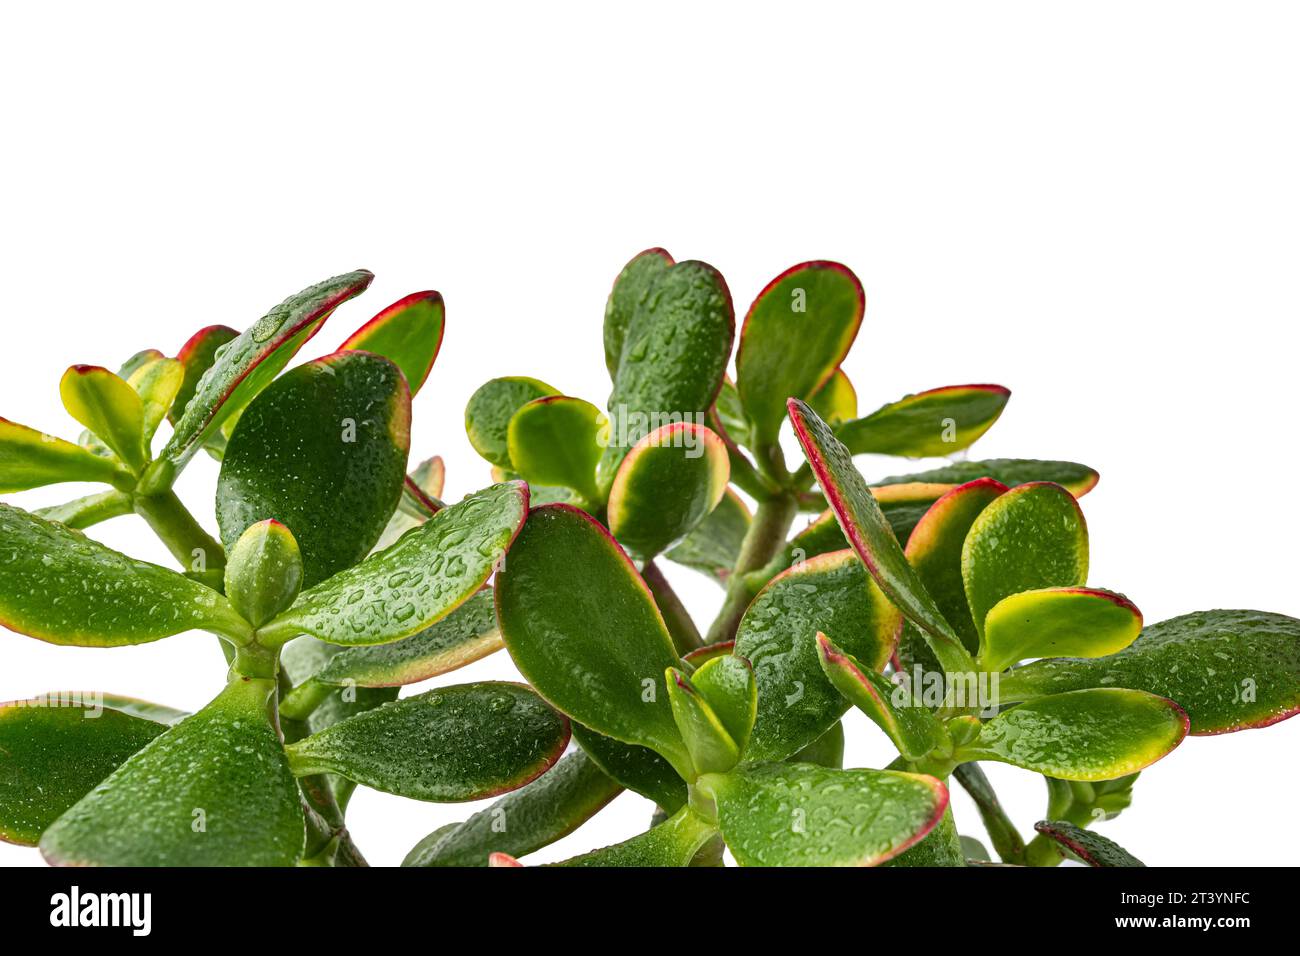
x,y
1002,832
185,538
685,635
765,537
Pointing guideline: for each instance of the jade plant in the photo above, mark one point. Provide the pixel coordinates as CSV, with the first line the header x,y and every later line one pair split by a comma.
x,y
950,605
337,579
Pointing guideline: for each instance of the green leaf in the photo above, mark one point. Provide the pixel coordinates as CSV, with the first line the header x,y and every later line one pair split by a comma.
x,y
421,579
1230,670
1075,478
631,288
1033,536
322,451
675,842
532,817
245,365
935,422
914,730
867,530
795,335
711,748
801,815
836,401
637,768
935,546
1058,622
29,459
1094,734
462,637
667,485
263,572
831,593
90,510
713,546
675,349
156,382
727,683
451,744
109,408
214,790
583,629
197,356
826,751
408,333
1092,848
490,409
57,585
556,440
55,749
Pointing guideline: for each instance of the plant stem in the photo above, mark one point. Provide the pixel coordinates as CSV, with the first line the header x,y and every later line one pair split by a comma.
x,y
1002,832
185,538
765,537
685,635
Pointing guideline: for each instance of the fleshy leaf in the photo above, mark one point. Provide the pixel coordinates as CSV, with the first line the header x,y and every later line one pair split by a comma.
x,y
322,451
1094,734
29,459
263,572
676,343
406,588
197,356
630,289
157,383
941,847
54,750
714,545
462,637
728,415
710,746
831,593
1058,622
801,815
667,485
637,768
452,744
1033,536
935,547
935,422
214,790
914,730
1075,478
532,817
870,534
421,499
556,440
57,585
247,364
583,629
795,335
673,843
408,333
836,401
1230,670
109,407
727,684
489,410
1091,848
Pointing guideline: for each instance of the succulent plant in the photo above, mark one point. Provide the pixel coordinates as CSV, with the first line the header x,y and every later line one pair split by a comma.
x,y
951,606
338,579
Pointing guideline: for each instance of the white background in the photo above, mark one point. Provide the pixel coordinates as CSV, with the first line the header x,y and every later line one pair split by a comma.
x,y
1093,204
